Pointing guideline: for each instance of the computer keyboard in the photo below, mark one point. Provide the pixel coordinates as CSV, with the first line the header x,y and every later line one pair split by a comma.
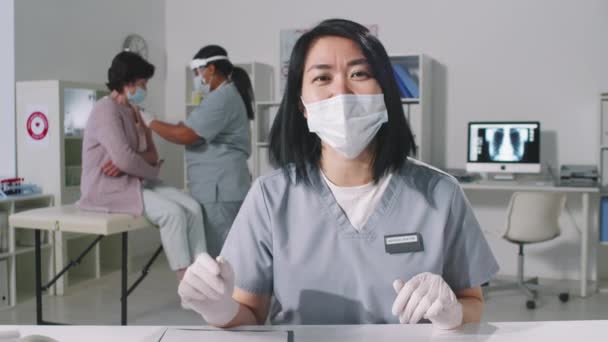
x,y
462,175
525,182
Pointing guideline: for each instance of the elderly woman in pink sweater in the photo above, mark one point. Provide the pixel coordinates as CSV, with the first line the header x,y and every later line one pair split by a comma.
x,y
121,165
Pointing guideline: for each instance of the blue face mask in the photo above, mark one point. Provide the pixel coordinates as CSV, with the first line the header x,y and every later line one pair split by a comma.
x,y
138,97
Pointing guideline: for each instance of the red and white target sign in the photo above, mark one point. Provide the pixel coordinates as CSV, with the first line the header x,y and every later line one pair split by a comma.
x,y
37,125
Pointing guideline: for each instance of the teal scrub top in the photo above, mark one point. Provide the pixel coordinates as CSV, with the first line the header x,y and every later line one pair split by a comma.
x,y
293,241
217,163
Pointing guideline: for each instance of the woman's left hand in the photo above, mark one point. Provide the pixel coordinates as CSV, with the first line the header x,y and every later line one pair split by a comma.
x,y
428,296
111,170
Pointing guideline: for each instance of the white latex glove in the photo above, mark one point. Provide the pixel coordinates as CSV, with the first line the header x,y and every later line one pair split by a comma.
x,y
207,289
146,117
428,296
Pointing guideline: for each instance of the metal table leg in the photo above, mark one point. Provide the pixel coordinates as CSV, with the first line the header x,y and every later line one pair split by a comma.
x,y
585,246
124,290
123,287
38,277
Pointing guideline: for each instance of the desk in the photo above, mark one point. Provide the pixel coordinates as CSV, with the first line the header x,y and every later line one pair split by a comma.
x,y
493,332
588,223
69,218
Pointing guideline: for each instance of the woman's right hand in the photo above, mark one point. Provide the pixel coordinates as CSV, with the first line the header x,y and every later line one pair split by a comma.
x,y
111,170
147,117
207,289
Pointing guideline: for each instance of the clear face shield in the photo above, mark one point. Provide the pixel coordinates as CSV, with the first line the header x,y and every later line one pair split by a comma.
x,y
199,83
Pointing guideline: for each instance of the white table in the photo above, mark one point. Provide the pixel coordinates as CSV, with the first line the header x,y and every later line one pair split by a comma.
x,y
547,186
503,331
69,218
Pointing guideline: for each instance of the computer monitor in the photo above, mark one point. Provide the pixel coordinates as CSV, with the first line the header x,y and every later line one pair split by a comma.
x,y
504,147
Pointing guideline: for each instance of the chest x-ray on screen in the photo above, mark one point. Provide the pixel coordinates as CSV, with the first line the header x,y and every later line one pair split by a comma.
x,y
504,143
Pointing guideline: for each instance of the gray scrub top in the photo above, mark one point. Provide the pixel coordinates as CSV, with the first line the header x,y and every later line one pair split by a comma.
x,y
217,164
295,242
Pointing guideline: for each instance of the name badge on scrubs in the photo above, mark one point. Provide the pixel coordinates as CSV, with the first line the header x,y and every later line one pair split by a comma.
x,y
403,243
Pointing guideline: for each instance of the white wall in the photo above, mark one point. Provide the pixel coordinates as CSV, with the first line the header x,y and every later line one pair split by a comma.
x,y
7,89
76,41
534,60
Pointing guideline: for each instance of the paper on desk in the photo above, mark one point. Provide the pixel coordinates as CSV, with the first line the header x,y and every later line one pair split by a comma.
x,y
182,335
9,335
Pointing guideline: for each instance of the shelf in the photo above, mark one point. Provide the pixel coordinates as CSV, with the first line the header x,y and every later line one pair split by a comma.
x,y
71,236
262,144
72,137
22,250
25,198
408,75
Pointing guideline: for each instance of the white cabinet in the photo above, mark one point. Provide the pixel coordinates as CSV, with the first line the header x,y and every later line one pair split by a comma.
x,y
604,119
19,253
262,81
265,112
260,74
4,289
418,108
51,117
604,142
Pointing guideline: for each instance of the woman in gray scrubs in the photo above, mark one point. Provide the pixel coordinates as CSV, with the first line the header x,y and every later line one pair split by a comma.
x,y
349,230
217,139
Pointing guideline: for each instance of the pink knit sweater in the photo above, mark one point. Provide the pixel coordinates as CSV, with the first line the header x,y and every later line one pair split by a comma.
x,y
111,134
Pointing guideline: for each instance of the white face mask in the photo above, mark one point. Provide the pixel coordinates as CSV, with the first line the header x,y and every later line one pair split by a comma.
x,y
347,123
205,87
197,82
200,85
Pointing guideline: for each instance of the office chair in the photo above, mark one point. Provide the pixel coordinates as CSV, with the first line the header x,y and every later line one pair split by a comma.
x,y
532,217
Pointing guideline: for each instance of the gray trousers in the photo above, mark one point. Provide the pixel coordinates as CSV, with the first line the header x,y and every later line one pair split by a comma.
x,y
218,218
180,221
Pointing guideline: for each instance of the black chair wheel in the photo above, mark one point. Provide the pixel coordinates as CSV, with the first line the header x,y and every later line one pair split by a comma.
x,y
530,304
564,297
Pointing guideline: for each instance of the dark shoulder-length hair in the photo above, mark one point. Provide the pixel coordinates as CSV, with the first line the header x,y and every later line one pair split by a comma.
x,y
128,67
293,145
